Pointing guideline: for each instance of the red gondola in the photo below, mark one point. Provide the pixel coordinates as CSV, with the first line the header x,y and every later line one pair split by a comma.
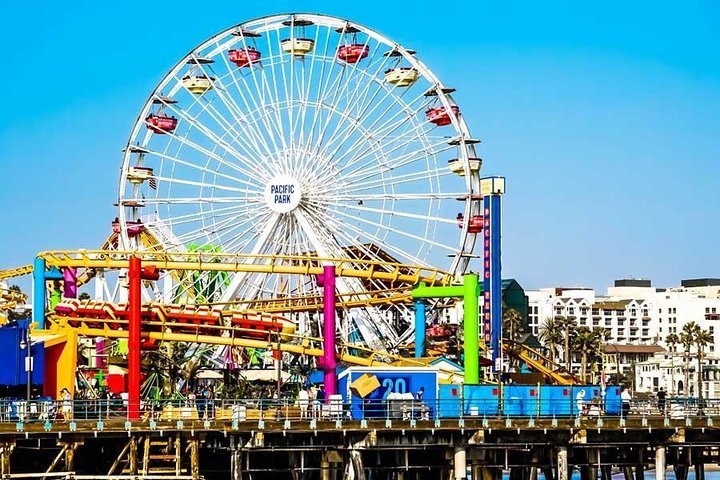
x,y
353,53
477,222
439,116
161,123
475,225
244,57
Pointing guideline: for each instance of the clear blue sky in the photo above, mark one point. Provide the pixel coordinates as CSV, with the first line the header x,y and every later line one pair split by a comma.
x,y
604,117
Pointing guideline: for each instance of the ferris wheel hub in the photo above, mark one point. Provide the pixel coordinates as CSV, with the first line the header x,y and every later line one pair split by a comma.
x,y
283,194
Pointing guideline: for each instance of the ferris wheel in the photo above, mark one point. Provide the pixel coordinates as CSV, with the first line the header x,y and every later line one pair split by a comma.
x,y
301,134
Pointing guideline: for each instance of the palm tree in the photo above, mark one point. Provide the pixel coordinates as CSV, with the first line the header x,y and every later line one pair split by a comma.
x,y
671,340
512,324
687,340
551,335
568,326
584,340
702,339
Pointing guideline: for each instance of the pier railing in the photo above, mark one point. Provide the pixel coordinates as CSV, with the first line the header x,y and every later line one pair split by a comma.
x,y
282,410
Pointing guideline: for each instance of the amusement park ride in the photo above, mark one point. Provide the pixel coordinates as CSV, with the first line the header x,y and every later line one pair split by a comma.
x,y
290,185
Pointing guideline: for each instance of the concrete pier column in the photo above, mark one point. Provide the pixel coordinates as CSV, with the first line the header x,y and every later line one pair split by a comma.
x,y
235,460
562,464
660,463
325,467
460,463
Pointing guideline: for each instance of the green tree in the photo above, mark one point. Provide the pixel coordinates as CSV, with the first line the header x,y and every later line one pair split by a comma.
x,y
512,324
671,340
687,340
590,344
568,326
703,338
550,334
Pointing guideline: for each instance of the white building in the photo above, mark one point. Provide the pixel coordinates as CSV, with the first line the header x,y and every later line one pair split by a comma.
x,y
637,315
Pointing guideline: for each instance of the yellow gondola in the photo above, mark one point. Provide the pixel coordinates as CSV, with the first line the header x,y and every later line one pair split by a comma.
x,y
198,85
298,47
401,76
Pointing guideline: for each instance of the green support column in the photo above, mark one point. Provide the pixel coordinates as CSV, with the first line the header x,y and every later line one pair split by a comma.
x,y
469,291
471,315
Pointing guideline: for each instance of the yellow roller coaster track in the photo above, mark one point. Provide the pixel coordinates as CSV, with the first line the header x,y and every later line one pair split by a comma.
x,y
16,272
540,363
228,336
395,273
311,303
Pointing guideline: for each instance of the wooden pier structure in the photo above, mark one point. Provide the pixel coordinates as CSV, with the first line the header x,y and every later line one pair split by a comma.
x,y
472,448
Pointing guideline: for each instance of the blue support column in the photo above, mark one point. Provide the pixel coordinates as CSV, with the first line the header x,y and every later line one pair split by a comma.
x,y
419,328
495,278
492,278
39,293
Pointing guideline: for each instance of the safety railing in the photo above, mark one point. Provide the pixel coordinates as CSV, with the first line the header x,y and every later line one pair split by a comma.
x,y
282,410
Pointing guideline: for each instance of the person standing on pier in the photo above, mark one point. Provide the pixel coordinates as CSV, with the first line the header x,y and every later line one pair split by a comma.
x,y
66,408
625,399
661,400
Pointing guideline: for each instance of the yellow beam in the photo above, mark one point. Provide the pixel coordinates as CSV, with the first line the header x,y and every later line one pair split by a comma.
x,y
227,336
222,262
16,272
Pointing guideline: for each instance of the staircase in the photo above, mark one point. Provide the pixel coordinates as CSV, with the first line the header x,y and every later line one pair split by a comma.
x,y
148,454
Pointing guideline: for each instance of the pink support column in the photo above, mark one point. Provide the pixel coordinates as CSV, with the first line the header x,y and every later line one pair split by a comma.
x,y
70,278
327,361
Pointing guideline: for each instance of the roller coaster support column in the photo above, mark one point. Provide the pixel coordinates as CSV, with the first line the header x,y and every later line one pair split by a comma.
x,y
469,292
327,361
419,328
70,284
136,274
492,189
40,276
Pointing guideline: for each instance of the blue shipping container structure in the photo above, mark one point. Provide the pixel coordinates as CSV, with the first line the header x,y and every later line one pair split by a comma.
x,y
393,380
481,400
12,358
556,401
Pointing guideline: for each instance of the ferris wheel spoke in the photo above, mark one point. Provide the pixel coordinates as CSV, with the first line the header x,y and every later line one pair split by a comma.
x,y
413,177
393,230
397,162
386,128
184,141
261,243
200,168
185,200
210,135
341,229
194,183
382,131
426,218
235,111
356,101
195,216
251,148
241,91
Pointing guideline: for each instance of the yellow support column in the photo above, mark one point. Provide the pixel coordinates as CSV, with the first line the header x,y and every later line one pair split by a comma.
x,y
67,365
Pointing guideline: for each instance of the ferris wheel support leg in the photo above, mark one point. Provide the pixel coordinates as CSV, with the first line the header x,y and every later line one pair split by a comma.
x,y
327,361
419,328
135,307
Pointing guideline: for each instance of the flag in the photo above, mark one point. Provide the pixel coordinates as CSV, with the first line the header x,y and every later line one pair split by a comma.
x,y
153,183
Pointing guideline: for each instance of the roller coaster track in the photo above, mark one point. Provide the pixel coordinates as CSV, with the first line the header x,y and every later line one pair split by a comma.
x,y
16,272
165,331
540,363
312,303
395,273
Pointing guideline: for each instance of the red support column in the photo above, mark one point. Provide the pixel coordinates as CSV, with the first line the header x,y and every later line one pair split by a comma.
x,y
135,307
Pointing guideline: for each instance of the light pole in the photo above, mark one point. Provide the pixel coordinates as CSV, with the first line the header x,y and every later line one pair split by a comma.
x,y
25,344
